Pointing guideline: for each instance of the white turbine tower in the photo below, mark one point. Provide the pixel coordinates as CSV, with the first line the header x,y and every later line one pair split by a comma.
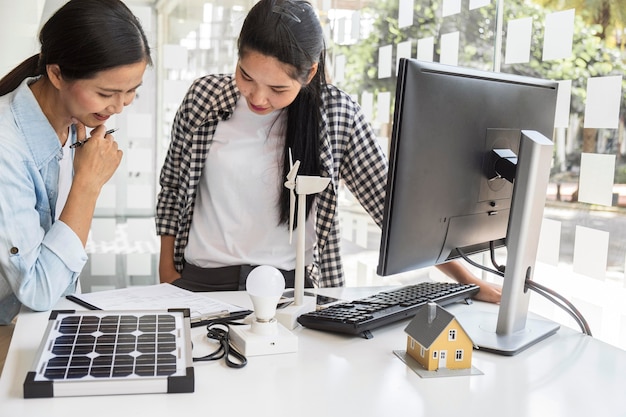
x,y
300,186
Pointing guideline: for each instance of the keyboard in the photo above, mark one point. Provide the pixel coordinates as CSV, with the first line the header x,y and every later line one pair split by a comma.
x,y
361,316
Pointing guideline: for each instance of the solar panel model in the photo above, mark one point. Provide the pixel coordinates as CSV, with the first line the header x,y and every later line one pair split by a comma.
x,y
113,352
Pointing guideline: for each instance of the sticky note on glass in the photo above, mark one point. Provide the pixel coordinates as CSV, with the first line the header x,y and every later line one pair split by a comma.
x,y
563,104
102,264
367,105
426,49
597,172
405,13
477,4
518,39
549,242
340,68
451,7
403,50
139,264
603,100
384,61
449,48
383,108
591,251
174,56
559,35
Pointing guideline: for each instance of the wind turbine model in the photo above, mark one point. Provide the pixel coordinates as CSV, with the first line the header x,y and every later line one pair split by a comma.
x,y
300,185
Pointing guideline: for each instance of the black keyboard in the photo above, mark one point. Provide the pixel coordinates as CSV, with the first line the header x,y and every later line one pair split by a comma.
x,y
360,316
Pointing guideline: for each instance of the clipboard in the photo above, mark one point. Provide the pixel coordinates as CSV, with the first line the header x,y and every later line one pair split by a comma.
x,y
203,309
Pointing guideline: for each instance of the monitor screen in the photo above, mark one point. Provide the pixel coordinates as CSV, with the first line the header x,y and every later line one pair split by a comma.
x,y
446,122
443,197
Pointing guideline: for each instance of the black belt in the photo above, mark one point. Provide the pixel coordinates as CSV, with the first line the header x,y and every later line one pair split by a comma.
x,y
226,278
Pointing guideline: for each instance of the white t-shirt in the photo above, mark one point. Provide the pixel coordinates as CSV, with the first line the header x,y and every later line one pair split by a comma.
x,y
66,172
235,219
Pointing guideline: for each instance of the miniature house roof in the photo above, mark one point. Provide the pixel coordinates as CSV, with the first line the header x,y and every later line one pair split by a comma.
x,y
428,323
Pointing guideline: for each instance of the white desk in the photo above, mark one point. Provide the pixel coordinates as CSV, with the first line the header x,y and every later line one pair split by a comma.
x,y
568,374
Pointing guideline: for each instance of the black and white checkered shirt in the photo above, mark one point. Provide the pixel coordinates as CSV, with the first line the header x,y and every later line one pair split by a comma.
x,y
349,151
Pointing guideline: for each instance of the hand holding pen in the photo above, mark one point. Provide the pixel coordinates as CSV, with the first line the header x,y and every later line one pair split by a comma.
x,y
80,143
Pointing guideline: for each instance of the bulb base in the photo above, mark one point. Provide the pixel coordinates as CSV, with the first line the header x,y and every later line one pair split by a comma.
x,y
288,316
260,338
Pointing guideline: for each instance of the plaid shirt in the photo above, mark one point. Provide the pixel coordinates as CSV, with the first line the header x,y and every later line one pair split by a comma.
x,y
349,151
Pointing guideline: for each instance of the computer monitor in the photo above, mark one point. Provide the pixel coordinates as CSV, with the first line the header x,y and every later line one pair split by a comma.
x,y
458,134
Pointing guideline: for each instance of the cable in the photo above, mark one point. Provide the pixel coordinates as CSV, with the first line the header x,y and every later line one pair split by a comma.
x,y
553,296
220,332
477,265
492,252
544,291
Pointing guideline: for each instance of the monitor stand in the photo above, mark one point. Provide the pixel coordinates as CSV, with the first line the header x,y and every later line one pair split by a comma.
x,y
511,331
481,326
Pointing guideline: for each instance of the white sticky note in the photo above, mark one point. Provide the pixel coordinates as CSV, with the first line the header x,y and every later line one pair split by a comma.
x,y
174,56
558,35
549,242
139,264
139,196
384,61
174,91
367,105
426,49
103,229
405,13
141,229
107,197
563,104
139,160
340,69
591,248
603,101
140,126
383,107
451,7
403,50
596,179
476,4
102,264
449,48
340,25
518,39
355,27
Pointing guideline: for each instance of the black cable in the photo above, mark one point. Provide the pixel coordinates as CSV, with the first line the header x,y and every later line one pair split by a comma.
x,y
546,292
571,309
477,265
492,252
220,331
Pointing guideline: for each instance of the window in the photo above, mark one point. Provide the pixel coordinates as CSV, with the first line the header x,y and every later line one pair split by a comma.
x,y
452,335
458,356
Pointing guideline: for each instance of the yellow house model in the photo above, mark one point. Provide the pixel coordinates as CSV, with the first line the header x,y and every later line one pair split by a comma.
x,y
437,340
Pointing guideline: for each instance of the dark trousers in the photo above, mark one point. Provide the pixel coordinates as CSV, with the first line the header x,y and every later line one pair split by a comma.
x,y
227,278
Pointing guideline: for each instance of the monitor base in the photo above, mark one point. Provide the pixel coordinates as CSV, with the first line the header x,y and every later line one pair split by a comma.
x,y
481,328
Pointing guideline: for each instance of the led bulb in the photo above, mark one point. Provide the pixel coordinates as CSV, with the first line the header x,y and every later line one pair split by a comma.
x,y
265,286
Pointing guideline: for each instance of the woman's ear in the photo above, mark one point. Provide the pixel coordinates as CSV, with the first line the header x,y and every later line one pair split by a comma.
x,y
54,75
312,73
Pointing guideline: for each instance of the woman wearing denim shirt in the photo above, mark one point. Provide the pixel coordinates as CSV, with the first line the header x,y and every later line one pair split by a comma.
x,y
93,57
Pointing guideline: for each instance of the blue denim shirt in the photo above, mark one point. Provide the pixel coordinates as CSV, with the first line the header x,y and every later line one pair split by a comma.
x,y
40,258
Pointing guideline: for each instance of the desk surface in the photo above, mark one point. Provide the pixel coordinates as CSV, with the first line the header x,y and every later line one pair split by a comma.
x,y
568,374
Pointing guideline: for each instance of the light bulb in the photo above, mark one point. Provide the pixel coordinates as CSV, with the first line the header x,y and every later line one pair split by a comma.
x,y
265,286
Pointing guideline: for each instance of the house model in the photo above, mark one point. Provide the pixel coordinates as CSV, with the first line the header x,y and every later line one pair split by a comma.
x,y
437,340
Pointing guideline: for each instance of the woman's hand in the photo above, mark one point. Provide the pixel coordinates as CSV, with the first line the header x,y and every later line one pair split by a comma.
x,y
488,292
97,159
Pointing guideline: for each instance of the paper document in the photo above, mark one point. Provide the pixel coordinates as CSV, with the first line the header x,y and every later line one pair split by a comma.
x,y
157,297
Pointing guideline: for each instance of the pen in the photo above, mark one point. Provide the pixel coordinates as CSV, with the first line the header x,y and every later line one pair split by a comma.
x,y
82,142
